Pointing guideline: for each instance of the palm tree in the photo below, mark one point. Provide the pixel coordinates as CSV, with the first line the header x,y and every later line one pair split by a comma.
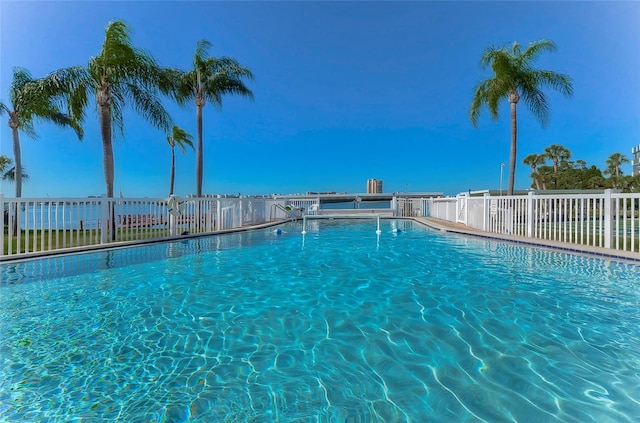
x,y
181,138
5,166
208,80
614,162
8,172
10,175
121,73
613,168
556,153
515,78
535,160
32,99
543,175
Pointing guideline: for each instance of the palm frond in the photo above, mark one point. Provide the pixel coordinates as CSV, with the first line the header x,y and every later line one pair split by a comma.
x,y
536,101
149,107
21,77
5,162
535,48
200,55
479,99
221,83
185,87
558,81
77,101
169,81
26,126
10,174
489,93
181,138
117,122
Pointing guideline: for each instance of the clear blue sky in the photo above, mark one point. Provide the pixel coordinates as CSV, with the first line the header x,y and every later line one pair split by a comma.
x,y
344,91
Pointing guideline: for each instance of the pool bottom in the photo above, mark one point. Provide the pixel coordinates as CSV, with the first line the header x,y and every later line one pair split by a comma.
x,y
406,327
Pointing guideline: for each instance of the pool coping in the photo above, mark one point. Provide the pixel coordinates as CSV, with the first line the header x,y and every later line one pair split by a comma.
x,y
599,252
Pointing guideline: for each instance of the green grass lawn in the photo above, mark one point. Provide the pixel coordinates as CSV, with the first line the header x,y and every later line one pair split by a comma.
x,y
577,234
44,240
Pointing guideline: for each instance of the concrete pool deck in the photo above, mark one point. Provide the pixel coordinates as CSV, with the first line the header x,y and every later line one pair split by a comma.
x,y
600,252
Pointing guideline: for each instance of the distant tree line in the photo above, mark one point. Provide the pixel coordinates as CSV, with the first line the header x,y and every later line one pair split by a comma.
x,y
554,169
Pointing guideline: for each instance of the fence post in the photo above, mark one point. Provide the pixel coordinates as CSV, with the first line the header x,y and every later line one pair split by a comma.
x,y
485,211
173,227
219,213
608,218
466,209
104,221
462,207
530,215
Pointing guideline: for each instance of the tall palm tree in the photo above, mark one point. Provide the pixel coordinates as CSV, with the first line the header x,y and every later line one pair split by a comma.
x,y
181,138
208,80
33,99
535,160
514,78
120,74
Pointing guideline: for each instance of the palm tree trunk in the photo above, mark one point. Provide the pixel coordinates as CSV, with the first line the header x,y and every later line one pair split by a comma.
x,y
199,149
107,157
17,158
173,170
536,180
534,175
107,147
17,174
514,141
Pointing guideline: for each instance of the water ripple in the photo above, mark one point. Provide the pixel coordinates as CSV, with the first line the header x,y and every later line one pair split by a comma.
x,y
410,327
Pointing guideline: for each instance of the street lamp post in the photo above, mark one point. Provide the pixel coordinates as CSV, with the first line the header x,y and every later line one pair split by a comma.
x,y
502,165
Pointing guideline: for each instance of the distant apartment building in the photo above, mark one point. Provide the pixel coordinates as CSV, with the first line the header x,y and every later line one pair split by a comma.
x,y
374,186
635,161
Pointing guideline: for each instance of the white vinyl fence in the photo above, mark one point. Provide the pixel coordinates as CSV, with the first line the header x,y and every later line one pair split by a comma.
x,y
607,219
602,219
42,224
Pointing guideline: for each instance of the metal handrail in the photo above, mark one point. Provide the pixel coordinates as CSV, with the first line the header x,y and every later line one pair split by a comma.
x,y
288,212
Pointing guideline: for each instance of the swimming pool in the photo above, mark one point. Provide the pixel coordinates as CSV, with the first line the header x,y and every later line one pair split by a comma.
x,y
338,325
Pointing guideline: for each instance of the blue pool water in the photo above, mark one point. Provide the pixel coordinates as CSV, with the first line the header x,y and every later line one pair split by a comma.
x,y
340,325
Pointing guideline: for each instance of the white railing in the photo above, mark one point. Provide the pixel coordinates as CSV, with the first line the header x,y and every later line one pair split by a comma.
x,y
606,219
405,207
42,224
441,208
